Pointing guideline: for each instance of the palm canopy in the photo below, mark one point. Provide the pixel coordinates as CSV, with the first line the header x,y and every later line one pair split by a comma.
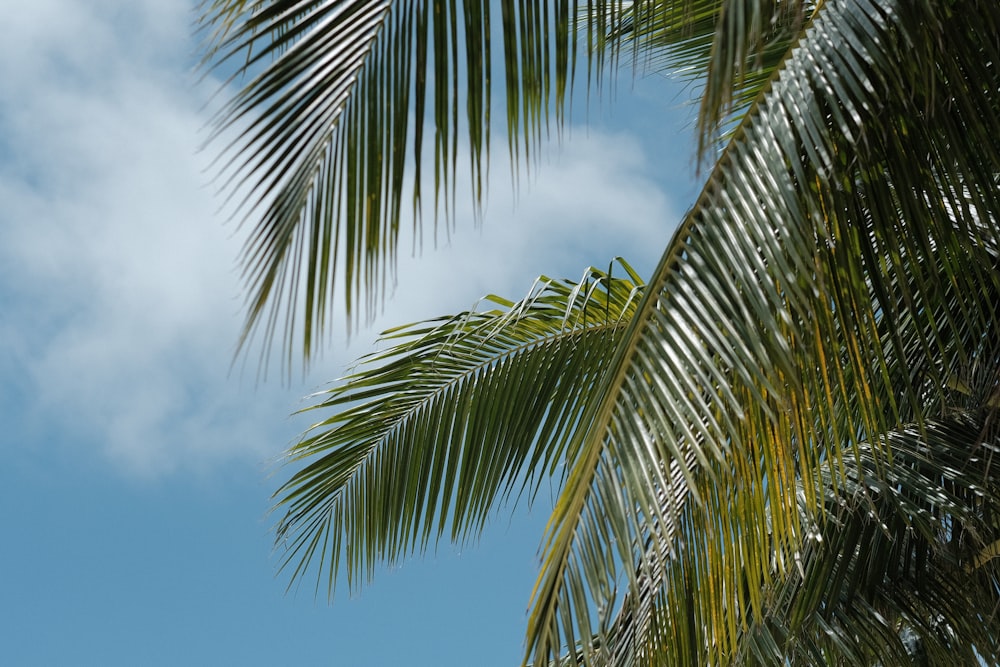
x,y
785,449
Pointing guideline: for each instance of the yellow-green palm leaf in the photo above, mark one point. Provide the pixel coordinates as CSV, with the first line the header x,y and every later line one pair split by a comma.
x,y
859,185
810,361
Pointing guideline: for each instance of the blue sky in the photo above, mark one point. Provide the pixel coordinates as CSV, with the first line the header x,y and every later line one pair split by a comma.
x,y
136,468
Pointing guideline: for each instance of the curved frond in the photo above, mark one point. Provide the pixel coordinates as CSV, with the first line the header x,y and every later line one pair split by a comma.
x,y
894,576
459,412
347,100
834,278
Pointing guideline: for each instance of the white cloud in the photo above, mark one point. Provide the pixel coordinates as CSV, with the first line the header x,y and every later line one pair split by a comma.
x,y
590,201
118,279
123,298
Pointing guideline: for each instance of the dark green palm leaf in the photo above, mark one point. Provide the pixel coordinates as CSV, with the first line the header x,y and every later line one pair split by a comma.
x,y
330,127
447,422
339,98
872,585
893,572
956,454
729,50
820,313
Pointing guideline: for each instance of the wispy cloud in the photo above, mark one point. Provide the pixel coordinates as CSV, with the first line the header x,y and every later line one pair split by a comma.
x,y
120,296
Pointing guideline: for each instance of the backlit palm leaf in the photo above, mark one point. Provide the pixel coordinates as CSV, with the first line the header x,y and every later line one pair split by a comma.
x,y
340,92
893,576
805,340
940,492
892,573
729,50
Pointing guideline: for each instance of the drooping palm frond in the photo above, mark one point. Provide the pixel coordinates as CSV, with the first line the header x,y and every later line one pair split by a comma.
x,y
728,50
942,485
340,96
455,415
894,572
333,127
798,320
771,342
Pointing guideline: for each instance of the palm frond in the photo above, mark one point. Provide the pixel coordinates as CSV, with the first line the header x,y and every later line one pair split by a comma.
x,y
332,130
453,417
940,490
728,49
890,574
889,577
333,126
764,353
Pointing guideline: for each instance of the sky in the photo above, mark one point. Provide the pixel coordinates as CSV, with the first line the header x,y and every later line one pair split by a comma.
x,y
137,466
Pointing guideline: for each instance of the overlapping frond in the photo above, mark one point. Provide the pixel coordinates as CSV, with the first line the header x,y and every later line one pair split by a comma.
x,y
894,575
809,380
893,578
430,434
828,285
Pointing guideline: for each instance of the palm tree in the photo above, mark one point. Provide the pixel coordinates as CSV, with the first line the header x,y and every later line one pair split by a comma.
x,y
780,448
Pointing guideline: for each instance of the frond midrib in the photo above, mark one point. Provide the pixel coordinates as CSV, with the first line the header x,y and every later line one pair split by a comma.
x,y
399,422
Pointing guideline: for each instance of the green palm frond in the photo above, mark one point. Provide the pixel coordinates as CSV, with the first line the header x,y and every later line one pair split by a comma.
x,y
346,101
891,570
455,415
942,489
765,351
728,49
809,379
